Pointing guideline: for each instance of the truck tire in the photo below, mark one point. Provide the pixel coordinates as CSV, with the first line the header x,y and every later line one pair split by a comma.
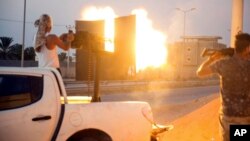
x,y
94,139
90,135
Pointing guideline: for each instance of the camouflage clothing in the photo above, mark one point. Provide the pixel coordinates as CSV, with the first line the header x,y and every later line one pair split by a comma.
x,y
235,86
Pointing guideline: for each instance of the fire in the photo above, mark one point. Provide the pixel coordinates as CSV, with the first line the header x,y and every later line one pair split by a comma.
x,y
107,14
150,43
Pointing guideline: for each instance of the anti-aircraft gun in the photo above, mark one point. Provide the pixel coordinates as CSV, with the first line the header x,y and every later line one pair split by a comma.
x,y
95,44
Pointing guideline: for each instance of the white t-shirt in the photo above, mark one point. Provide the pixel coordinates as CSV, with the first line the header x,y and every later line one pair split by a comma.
x,y
48,58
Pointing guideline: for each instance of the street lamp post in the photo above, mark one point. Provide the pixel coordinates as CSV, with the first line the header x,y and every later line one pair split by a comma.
x,y
184,18
24,20
184,34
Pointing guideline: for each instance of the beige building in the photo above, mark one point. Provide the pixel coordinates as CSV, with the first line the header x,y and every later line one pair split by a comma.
x,y
184,57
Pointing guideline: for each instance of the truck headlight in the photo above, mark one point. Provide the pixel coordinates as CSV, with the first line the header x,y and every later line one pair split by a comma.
x,y
148,114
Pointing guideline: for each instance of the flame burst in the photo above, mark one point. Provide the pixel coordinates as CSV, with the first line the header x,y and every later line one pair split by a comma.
x,y
150,43
107,14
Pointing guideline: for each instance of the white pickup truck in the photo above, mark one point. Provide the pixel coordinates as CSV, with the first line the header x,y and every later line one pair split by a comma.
x,y
34,107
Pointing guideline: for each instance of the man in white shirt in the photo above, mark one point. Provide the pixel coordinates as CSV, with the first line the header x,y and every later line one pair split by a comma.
x,y
46,44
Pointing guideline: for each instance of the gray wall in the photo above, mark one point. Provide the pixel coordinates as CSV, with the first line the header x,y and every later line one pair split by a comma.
x,y
17,63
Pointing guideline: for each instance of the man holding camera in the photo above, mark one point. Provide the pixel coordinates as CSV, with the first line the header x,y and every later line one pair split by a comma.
x,y
234,75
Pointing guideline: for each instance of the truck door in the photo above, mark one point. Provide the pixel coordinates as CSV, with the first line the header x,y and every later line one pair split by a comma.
x,y
28,107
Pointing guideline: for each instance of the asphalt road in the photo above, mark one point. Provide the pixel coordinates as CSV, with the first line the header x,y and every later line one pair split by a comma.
x,y
169,104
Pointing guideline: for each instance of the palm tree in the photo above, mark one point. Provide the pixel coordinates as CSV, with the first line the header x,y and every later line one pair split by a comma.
x,y
8,51
5,47
15,52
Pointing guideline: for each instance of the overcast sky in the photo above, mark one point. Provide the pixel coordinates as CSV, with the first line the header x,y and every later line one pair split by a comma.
x,y
211,17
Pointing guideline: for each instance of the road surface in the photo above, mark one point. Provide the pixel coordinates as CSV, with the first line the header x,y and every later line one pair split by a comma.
x,y
169,104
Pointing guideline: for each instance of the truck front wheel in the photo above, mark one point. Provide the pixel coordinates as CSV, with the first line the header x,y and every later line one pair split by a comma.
x,y
93,139
90,135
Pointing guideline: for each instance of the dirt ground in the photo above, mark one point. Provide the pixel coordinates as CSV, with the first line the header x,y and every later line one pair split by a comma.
x,y
199,125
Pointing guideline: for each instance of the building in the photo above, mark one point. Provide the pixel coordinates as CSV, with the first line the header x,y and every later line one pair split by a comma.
x,y
184,57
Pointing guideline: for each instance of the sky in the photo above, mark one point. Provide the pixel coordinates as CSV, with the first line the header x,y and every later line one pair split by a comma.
x,y
210,17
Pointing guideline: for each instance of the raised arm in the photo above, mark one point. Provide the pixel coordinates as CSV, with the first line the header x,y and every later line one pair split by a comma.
x,y
63,43
205,69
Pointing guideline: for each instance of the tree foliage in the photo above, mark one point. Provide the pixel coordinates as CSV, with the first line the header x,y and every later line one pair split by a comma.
x,y
62,56
29,53
4,47
14,52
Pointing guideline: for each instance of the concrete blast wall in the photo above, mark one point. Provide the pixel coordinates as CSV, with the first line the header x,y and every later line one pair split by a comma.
x,y
113,66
